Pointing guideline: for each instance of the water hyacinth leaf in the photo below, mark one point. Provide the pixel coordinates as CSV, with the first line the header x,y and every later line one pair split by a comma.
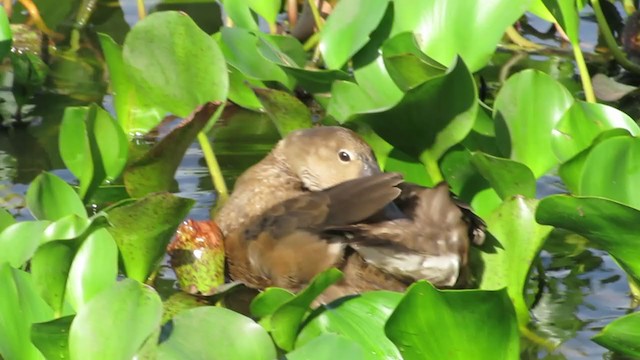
x,y
268,301
622,335
438,27
286,320
285,110
182,70
527,109
51,198
328,347
453,320
19,241
154,171
50,267
214,333
52,337
240,48
360,319
406,127
538,8
5,219
612,226
520,239
241,92
69,227
178,302
134,114
143,229
566,14
20,306
615,180
75,147
582,123
240,14
6,36
127,307
268,9
508,178
461,175
94,268
347,29
282,49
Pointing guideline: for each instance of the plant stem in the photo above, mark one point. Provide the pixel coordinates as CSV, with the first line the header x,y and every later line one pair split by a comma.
x,y
311,42
316,14
431,165
589,95
214,169
620,57
142,13
521,41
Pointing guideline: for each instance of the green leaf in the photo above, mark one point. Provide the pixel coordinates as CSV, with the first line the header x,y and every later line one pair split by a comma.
x,y
360,319
19,307
328,347
216,333
566,14
285,110
52,338
506,177
154,171
443,28
5,219
19,241
143,229
622,335
51,198
612,226
134,114
6,37
70,227
433,324
50,267
241,93
175,64
268,301
582,123
268,9
450,118
527,109
520,240
94,268
617,179
240,13
348,28
126,308
286,320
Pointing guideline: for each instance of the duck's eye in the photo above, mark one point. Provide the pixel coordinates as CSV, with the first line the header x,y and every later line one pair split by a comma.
x,y
344,156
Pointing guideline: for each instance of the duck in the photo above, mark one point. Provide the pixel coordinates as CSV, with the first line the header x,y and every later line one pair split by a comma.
x,y
319,200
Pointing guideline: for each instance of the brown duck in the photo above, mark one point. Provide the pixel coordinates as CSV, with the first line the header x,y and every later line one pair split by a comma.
x,y
319,200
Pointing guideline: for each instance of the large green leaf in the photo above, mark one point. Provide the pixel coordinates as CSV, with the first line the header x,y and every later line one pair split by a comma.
x,y
520,239
240,13
582,123
622,335
6,37
348,28
428,120
328,347
5,219
19,307
216,333
567,15
360,319
19,241
142,230
507,177
50,198
611,171
527,108
133,112
444,29
50,268
433,324
52,338
176,65
611,225
116,322
285,110
94,268
154,171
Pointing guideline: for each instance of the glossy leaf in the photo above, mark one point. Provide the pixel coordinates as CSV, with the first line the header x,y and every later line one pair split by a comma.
x,y
582,123
216,333
50,267
19,241
69,227
174,63
286,320
240,92
6,36
443,27
328,347
520,239
612,226
285,110
94,268
142,230
360,319
154,171
527,109
127,307
269,300
268,9
240,13
5,219
507,177
50,198
622,335
617,179
133,112
52,338
348,28
433,324
566,14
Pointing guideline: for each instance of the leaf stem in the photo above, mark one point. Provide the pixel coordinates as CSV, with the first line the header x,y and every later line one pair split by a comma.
x,y
316,14
142,13
214,169
589,94
521,41
620,57
431,165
